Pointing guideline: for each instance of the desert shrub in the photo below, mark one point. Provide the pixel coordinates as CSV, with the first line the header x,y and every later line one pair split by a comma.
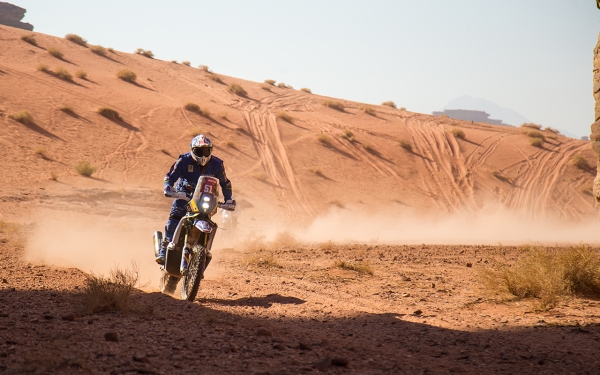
x,y
145,53
368,110
361,267
403,108
43,68
263,260
63,74
536,142
109,294
389,103
66,108
186,63
535,134
174,61
24,117
405,144
580,162
282,85
231,144
285,117
270,82
324,139
76,39
84,168
29,39
81,74
203,67
242,130
41,151
195,131
531,125
458,133
547,274
110,49
334,105
552,130
500,176
109,113
216,78
369,148
266,87
285,239
56,53
205,112
305,89
126,75
192,107
224,115
348,135
237,89
260,176
98,50
317,171
337,203
53,176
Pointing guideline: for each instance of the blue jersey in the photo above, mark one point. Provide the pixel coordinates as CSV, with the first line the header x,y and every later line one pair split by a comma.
x,y
184,174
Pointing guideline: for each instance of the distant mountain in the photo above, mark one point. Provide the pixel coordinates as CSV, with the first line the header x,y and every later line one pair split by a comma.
x,y
507,115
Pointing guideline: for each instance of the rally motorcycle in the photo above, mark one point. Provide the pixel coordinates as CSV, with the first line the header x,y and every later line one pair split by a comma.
x,y
189,254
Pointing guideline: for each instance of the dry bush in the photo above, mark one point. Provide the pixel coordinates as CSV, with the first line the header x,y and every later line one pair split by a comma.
x,y
254,242
547,274
29,39
6,227
324,139
144,52
43,68
186,63
580,162
317,171
282,85
458,133
63,74
403,108
66,108
174,61
84,168
337,203
348,135
224,115
531,125
98,50
203,67
109,294
41,151
110,49
266,87
53,176
369,148
389,103
109,113
231,144
260,176
270,82
56,53
237,89
534,134
405,144
285,239
285,117
361,268
552,130
195,131
500,176
127,75
368,110
263,260
192,107
76,39
327,245
306,89
81,74
24,117
536,142
216,78
334,105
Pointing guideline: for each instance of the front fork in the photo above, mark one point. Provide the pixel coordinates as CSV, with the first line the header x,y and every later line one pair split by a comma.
x,y
205,240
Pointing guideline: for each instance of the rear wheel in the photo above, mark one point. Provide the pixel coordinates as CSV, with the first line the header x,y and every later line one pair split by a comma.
x,y
168,283
195,272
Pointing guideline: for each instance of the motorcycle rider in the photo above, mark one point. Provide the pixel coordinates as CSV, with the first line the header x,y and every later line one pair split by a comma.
x,y
183,175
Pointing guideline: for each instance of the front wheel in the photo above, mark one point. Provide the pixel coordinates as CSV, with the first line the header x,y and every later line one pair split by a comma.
x,y
195,272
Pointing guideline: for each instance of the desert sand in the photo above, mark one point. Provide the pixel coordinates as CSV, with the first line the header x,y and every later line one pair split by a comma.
x,y
425,217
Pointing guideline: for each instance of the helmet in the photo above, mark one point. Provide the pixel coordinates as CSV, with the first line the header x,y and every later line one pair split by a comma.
x,y
201,148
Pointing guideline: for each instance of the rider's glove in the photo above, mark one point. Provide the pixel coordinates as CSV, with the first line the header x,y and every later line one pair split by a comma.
x,y
230,203
168,191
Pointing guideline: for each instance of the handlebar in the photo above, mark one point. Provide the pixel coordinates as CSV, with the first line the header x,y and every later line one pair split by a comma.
x,y
226,207
178,195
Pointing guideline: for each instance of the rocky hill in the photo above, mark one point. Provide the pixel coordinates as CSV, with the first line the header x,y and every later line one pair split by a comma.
x,y
11,15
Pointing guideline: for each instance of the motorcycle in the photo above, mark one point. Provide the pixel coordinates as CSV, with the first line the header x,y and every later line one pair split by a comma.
x,y
188,255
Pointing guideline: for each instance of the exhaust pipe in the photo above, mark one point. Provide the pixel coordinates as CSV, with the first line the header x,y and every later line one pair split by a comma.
x,y
157,238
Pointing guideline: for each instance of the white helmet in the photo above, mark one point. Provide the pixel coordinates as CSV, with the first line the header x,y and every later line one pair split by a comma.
x,y
201,149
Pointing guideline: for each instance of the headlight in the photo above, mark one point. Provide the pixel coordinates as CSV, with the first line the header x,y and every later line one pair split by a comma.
x,y
205,205
206,198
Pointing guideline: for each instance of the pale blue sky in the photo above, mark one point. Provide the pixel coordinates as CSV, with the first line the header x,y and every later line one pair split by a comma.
x,y
533,56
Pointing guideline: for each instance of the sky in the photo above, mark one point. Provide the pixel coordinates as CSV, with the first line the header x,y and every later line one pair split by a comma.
x,y
532,56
